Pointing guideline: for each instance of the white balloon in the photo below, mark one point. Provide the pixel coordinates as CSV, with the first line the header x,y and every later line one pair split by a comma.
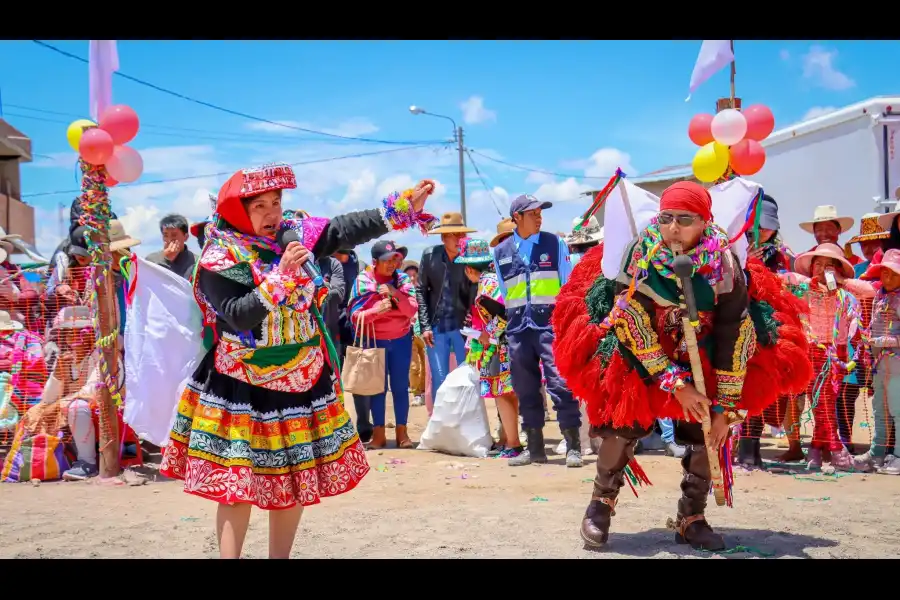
x,y
729,127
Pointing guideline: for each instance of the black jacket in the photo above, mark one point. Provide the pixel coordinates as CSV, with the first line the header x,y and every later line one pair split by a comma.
x,y
333,273
431,281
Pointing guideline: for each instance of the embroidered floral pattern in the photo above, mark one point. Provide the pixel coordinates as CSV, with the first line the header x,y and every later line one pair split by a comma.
x,y
635,332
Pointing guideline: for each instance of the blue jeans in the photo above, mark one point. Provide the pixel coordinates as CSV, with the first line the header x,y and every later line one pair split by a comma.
x,y
885,404
439,356
668,430
397,358
528,350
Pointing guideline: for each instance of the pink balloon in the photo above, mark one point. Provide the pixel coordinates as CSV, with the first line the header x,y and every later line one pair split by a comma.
x,y
760,122
96,146
121,122
125,165
700,129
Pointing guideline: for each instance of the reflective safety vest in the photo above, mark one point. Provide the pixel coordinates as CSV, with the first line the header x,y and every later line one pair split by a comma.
x,y
531,289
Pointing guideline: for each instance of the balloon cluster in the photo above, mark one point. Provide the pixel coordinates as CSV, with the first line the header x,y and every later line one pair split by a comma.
x,y
731,138
104,143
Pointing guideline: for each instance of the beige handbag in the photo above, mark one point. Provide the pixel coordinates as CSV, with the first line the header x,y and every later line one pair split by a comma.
x,y
364,367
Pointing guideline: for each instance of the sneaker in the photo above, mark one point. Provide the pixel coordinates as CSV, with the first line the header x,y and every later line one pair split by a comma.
x,y
891,465
417,401
561,448
673,449
511,452
80,471
842,460
573,459
867,463
814,459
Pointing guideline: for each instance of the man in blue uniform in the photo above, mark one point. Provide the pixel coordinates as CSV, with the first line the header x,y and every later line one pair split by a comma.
x,y
532,266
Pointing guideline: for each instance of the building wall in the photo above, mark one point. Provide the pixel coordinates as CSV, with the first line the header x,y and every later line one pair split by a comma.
x,y
15,216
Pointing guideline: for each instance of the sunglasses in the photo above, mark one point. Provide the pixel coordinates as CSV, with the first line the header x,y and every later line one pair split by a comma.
x,y
683,220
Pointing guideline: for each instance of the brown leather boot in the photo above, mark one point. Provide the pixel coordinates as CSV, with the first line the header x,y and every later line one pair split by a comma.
x,y
690,525
379,439
614,453
403,440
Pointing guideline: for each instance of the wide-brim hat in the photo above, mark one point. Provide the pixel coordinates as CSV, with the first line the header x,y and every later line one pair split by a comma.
x,y
890,260
803,263
825,213
590,233
870,229
118,239
8,324
73,317
473,251
451,222
887,220
505,228
409,264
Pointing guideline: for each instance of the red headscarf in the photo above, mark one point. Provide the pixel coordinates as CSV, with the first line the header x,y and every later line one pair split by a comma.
x,y
246,184
689,196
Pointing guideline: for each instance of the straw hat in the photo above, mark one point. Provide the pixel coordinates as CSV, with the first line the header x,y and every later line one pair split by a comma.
x,y
409,264
118,239
505,229
7,323
591,233
870,229
451,223
803,263
886,220
73,317
826,213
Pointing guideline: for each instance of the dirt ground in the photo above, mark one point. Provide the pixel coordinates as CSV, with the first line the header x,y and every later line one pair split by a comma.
x,y
417,504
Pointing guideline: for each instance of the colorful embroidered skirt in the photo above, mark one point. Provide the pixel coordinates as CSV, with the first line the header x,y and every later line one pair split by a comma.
x,y
237,443
495,377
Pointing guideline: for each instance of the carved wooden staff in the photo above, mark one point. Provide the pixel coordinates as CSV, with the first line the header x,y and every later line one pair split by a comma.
x,y
690,320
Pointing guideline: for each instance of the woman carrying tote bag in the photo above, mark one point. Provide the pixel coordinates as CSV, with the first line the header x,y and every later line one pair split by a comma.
x,y
386,298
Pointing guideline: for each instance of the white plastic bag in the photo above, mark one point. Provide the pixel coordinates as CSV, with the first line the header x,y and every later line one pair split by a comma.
x,y
459,422
585,435
162,349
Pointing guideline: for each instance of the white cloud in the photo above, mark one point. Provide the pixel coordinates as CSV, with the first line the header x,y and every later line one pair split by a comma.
x,y
474,111
351,127
818,111
605,161
538,177
819,68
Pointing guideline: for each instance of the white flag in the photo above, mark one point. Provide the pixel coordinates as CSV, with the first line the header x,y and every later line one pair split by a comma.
x,y
617,225
714,54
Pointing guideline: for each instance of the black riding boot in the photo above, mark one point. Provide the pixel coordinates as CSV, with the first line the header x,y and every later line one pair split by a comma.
x,y
749,455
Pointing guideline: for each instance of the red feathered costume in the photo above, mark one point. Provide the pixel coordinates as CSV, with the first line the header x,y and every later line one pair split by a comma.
x,y
617,394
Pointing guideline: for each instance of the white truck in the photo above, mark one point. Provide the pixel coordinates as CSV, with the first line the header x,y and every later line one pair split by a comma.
x,y
847,158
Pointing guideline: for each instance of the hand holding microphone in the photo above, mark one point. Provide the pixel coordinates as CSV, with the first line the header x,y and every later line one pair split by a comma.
x,y
296,255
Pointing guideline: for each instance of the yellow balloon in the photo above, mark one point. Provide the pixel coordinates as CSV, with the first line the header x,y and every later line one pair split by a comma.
x,y
75,131
710,162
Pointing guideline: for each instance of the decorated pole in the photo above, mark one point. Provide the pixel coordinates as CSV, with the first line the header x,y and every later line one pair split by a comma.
x,y
95,217
104,160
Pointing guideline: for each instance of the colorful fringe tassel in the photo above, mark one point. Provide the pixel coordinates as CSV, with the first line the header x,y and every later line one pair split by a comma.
x,y
635,475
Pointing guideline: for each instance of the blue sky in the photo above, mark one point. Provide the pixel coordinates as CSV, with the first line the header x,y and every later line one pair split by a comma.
x,y
575,108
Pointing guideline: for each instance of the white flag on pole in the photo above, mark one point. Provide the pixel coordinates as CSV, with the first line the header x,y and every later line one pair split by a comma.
x,y
617,232
714,54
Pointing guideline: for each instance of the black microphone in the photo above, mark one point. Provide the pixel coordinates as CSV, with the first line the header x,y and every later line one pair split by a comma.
x,y
684,270
285,236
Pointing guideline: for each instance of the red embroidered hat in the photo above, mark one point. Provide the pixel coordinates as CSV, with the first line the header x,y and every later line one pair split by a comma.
x,y
248,183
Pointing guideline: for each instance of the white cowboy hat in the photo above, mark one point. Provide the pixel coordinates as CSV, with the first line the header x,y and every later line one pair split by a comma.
x,y
826,213
590,233
7,323
803,263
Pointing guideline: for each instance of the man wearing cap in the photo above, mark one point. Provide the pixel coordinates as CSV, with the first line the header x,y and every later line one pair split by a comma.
x,y
532,266
445,297
175,255
583,238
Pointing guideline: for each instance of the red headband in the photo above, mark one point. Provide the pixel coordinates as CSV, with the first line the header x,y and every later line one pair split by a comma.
x,y
689,196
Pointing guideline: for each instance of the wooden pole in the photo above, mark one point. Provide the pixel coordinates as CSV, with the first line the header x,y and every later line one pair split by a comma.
x,y
95,207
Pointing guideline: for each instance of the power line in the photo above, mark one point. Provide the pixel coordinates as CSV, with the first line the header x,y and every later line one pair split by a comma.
x,y
489,190
229,173
216,106
530,170
240,137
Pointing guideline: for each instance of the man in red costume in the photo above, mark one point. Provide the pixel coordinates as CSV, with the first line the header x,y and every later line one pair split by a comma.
x,y
619,345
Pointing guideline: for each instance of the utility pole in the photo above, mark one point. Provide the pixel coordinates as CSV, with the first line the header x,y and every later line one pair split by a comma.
x,y
460,148
462,174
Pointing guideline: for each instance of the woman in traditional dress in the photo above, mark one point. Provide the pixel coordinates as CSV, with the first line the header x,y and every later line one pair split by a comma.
x,y
262,421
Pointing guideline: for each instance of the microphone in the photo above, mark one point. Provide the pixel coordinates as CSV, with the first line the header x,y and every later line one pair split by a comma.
x,y
285,236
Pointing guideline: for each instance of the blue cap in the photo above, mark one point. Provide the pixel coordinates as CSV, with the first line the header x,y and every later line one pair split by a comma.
x,y
526,202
